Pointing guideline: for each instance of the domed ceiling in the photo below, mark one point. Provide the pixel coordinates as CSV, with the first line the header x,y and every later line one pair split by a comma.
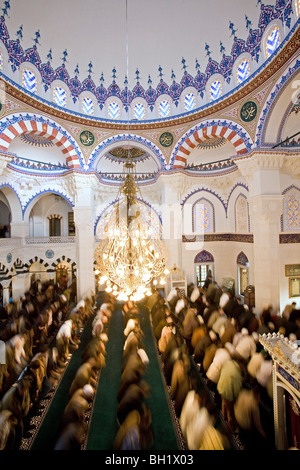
x,y
102,40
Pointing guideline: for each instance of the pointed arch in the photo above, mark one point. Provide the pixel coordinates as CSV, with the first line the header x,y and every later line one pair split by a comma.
x,y
203,216
118,139
17,125
204,257
242,259
235,134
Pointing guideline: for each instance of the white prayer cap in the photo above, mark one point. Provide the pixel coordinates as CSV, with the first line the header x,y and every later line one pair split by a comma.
x,y
143,355
129,327
179,305
104,337
88,390
212,335
80,304
255,336
105,307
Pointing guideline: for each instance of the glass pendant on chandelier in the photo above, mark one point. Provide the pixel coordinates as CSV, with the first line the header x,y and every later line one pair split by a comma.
x,y
130,256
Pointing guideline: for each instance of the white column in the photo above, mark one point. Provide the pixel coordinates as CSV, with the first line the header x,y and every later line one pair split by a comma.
x,y
83,218
172,220
19,229
5,286
265,214
263,170
19,285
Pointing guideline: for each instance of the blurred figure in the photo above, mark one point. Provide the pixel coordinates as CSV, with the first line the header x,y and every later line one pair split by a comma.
x,y
8,423
78,405
85,374
229,386
135,433
71,437
247,415
63,338
17,401
180,383
132,399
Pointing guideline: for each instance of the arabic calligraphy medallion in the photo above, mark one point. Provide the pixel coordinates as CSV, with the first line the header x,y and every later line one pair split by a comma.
x,y
87,138
248,111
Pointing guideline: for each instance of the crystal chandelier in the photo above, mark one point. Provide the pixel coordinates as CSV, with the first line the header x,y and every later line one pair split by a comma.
x,y
130,255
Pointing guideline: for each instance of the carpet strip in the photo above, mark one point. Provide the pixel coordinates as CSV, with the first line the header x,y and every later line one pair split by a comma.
x,y
103,425
47,433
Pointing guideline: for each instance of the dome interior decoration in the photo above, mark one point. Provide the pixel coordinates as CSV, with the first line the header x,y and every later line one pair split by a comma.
x,y
60,68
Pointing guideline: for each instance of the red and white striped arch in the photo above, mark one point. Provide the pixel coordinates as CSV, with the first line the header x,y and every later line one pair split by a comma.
x,y
42,129
204,134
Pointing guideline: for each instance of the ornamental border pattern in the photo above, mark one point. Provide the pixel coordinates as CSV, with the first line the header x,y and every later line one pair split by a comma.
x,y
219,237
286,238
250,85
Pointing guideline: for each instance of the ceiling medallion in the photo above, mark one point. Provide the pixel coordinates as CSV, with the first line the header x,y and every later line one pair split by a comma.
x,y
125,151
37,140
248,111
212,143
87,138
166,139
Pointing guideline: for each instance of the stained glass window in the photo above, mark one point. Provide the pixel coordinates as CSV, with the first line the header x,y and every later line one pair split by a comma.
x,y
88,106
273,41
139,111
113,110
203,217
292,211
60,96
243,71
164,108
29,81
215,90
189,102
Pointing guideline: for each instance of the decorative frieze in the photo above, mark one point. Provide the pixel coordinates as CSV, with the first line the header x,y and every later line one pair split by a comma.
x,y
219,237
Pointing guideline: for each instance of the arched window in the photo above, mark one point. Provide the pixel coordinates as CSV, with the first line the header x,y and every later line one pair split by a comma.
x,y
54,225
243,71
204,265
243,272
292,211
273,41
241,215
29,81
164,109
203,217
60,96
189,102
88,106
215,90
113,110
139,111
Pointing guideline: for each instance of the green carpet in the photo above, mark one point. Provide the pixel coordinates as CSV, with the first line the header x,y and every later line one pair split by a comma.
x,y
47,434
103,425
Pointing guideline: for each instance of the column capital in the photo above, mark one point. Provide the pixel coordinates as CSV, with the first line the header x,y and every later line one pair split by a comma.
x,y
4,161
261,169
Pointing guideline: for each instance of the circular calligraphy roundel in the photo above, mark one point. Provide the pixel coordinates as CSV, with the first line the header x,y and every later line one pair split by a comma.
x,y
87,138
166,139
248,111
